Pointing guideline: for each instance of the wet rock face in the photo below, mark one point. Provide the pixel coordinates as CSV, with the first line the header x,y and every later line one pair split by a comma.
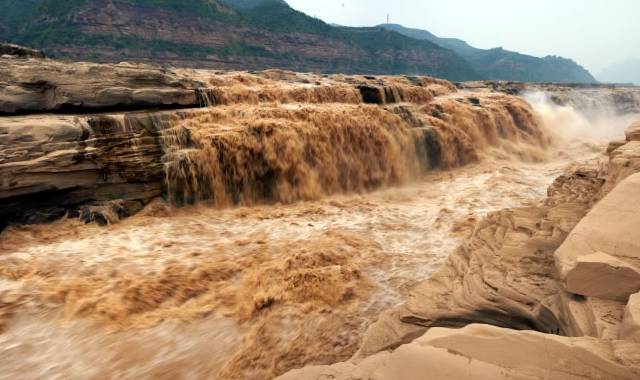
x,y
50,165
31,86
271,136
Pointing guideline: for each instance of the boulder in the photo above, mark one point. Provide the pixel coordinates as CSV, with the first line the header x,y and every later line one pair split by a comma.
x,y
601,255
492,353
633,132
603,276
630,329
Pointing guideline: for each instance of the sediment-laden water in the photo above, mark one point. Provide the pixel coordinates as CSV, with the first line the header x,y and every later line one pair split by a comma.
x,y
251,291
285,231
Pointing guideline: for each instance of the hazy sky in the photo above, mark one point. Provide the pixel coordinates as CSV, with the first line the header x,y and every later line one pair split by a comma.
x,y
596,33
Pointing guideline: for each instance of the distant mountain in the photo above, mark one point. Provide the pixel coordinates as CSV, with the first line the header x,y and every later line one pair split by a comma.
x,y
500,64
623,72
225,34
251,3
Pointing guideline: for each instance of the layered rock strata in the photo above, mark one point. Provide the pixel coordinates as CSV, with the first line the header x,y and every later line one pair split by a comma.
x,y
272,136
488,352
35,85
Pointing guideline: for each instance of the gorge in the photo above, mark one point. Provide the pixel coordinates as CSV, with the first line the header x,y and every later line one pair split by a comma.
x,y
186,223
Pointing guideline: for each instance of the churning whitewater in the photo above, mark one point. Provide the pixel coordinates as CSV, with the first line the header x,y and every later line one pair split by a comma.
x,y
287,215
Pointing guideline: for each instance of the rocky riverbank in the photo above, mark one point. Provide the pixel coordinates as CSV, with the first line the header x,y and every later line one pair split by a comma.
x,y
536,292
277,213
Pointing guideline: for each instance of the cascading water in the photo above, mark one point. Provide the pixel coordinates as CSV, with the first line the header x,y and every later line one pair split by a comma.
x,y
243,155
310,238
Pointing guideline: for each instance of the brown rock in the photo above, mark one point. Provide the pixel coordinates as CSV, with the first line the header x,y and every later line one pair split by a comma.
x,y
603,276
633,132
611,227
589,316
630,329
488,352
624,161
51,164
615,144
502,275
28,86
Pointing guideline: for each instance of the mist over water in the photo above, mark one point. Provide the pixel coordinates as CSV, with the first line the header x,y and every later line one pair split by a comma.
x,y
592,115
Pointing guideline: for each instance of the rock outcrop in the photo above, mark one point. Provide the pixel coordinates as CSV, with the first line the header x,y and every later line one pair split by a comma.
x,y
52,164
630,329
633,133
603,276
272,136
19,51
511,276
29,86
503,275
491,353
600,257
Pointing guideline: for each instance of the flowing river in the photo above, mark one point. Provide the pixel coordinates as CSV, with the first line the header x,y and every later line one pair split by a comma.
x,y
248,291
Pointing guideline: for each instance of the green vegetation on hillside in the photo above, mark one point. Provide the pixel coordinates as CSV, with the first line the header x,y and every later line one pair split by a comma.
x,y
237,31
501,64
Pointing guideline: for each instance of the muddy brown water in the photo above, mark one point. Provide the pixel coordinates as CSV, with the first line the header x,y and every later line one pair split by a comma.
x,y
231,288
247,292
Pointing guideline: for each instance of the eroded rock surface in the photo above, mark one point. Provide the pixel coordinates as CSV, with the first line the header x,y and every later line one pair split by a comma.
x,y
272,136
504,275
601,255
488,352
603,276
630,329
51,164
37,85
633,132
